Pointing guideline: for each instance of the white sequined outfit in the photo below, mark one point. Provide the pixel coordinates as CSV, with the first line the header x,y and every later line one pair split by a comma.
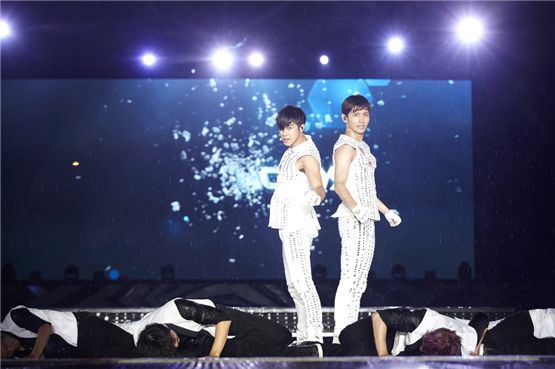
x,y
298,225
357,240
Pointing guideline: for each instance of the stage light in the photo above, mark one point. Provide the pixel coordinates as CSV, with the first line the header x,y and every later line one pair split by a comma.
x,y
324,59
111,273
149,59
470,30
256,59
222,59
395,45
5,29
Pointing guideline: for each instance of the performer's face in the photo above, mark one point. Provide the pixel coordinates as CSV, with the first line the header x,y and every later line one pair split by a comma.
x,y
357,121
292,135
9,346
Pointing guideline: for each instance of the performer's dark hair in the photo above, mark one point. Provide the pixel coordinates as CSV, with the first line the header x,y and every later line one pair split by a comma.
x,y
156,341
441,341
290,114
355,103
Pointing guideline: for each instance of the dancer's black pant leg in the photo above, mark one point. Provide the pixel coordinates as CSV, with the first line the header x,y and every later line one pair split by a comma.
x,y
545,346
97,338
255,336
516,329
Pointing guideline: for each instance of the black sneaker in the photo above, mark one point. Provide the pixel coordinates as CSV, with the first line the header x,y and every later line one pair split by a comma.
x,y
313,349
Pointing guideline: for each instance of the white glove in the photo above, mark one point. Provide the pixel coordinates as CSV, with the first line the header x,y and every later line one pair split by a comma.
x,y
362,213
393,218
311,198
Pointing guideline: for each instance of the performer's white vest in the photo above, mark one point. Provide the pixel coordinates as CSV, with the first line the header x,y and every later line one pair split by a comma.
x,y
434,320
543,321
63,323
360,180
287,210
168,314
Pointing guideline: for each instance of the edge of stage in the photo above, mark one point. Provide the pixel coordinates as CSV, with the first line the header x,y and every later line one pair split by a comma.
x,y
422,362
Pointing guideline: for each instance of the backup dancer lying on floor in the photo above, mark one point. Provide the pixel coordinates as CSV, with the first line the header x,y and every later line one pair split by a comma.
x,y
198,328
412,332
426,332
38,333
528,332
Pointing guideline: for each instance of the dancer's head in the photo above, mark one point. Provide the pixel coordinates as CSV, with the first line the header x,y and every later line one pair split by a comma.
x,y
10,345
290,121
441,341
157,340
356,113
355,103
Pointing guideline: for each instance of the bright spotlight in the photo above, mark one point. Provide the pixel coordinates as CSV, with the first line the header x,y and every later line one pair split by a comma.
x,y
222,59
5,29
470,30
324,59
395,45
149,59
256,59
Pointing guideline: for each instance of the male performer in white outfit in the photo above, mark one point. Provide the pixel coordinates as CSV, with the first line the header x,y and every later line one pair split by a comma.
x,y
355,185
298,189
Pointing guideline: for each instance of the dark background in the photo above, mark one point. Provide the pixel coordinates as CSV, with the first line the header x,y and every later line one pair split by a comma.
x,y
204,146
511,74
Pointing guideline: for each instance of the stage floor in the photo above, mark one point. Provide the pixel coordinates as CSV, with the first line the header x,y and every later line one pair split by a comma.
x,y
422,362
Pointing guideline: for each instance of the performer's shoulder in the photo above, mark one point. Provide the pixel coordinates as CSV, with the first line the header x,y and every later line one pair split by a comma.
x,y
311,150
345,140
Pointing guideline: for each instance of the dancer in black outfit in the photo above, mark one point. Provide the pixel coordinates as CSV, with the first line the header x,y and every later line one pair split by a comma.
x,y
196,328
376,335
38,333
528,332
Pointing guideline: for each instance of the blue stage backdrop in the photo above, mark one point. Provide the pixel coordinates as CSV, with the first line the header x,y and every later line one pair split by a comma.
x,y
138,174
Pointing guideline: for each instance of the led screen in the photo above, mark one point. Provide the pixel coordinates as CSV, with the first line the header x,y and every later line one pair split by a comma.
x,y
138,174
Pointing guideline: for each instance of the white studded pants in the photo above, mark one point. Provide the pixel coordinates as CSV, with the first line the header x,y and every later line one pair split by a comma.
x,y
298,274
357,251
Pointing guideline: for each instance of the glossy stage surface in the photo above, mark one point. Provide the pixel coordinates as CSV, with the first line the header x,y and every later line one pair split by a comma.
x,y
423,362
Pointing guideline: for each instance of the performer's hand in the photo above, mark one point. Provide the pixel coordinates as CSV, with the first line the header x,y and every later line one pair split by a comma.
x,y
362,213
35,356
311,198
393,218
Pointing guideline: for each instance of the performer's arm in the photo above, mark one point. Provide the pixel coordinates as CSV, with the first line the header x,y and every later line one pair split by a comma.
x,y
392,216
398,320
382,208
201,314
311,168
23,318
380,334
41,341
343,157
220,338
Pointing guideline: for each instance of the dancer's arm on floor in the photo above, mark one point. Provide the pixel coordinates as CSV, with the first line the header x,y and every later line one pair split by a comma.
x,y
310,166
43,335
396,320
343,157
220,338
380,334
23,318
